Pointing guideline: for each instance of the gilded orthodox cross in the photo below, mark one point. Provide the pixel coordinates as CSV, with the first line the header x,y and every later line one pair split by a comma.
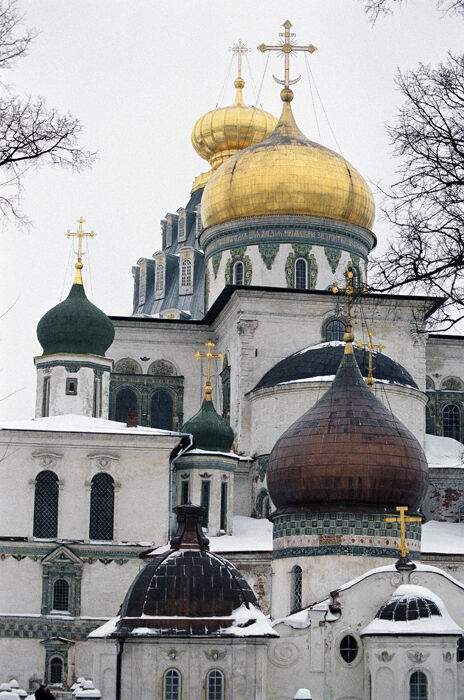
x,y
370,347
239,49
350,291
402,521
287,47
209,356
80,234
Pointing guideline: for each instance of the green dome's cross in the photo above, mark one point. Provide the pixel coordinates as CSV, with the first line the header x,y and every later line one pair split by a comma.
x,y
209,356
80,235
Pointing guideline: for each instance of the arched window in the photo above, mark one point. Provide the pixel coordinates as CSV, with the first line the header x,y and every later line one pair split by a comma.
x,y
452,421
46,505
238,273
215,685
61,595
186,273
126,401
335,330
429,421
56,669
101,507
451,384
172,685
301,274
159,282
162,410
297,585
418,686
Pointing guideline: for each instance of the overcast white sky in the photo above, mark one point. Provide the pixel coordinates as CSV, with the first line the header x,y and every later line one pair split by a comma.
x,y
138,73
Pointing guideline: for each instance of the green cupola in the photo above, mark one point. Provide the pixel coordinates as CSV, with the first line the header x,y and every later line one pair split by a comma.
x,y
75,325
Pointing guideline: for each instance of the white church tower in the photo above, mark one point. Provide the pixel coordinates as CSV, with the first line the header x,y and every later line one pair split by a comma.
x,y
73,374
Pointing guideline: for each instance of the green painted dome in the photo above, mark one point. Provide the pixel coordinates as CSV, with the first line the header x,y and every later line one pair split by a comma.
x,y
75,326
210,431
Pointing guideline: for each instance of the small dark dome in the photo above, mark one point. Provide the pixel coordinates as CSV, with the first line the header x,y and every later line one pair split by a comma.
x,y
322,361
404,608
210,430
75,326
189,590
347,453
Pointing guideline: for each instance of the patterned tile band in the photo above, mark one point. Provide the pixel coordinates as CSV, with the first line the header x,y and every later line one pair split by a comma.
x,y
44,627
341,533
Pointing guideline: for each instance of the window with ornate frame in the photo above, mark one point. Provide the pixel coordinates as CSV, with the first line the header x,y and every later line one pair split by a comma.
x,y
182,226
452,421
46,505
56,670
101,521
215,685
61,582
159,277
61,595
301,273
239,273
186,273
172,684
296,589
418,686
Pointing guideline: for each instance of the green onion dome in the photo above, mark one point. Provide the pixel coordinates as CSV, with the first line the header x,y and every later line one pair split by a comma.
x,y
210,431
75,326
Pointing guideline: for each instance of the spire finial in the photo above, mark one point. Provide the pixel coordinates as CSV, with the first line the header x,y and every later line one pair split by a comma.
x,y
239,49
209,356
79,234
370,347
404,559
350,291
286,47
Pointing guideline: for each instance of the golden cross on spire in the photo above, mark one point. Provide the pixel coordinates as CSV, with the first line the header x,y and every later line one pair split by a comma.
x,y
287,47
370,346
239,49
209,356
402,521
80,235
349,292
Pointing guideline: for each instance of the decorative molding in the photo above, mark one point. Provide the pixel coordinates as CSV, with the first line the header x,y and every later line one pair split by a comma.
x,y
127,366
76,365
384,656
247,327
238,255
162,368
47,627
37,552
300,250
48,460
268,252
216,261
215,655
103,460
333,256
417,657
283,653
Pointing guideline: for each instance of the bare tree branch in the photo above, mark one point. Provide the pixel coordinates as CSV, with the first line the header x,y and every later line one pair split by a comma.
x,y
375,8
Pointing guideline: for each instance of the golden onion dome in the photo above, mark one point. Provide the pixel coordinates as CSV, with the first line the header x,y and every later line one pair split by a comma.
x,y
287,174
220,133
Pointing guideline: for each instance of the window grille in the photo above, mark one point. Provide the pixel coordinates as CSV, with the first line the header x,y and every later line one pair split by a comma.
x,y
61,595
159,277
238,273
349,648
172,685
184,492
126,401
452,422
186,274
301,276
46,505
205,493
335,330
418,686
56,669
162,410
46,397
215,685
297,586
223,524
101,507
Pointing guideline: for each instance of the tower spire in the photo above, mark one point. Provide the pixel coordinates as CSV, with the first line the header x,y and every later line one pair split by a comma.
x,y
80,235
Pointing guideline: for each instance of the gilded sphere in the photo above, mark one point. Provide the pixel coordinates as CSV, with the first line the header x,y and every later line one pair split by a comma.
x,y
287,174
220,133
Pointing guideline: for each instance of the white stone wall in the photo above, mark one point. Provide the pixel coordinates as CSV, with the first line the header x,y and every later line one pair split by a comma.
x,y
444,359
81,403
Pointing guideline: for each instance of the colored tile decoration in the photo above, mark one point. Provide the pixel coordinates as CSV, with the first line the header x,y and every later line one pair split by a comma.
x,y
268,252
162,368
333,256
43,627
216,261
238,255
300,250
347,533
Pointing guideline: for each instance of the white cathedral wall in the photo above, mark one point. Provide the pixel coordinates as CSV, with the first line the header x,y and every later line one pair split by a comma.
x,y
104,586
21,589
444,359
21,659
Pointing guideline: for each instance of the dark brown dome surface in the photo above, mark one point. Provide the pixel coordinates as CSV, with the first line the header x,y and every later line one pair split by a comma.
x,y
347,453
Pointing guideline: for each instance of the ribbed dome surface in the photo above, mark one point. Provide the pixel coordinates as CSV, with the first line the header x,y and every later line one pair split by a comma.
x,y
210,430
287,174
347,453
75,326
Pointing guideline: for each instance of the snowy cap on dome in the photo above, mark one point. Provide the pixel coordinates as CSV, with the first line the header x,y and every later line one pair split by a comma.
x,y
5,686
303,694
412,610
14,683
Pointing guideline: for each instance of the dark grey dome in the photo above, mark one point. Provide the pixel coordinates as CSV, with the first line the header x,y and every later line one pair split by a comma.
x,y
406,608
323,361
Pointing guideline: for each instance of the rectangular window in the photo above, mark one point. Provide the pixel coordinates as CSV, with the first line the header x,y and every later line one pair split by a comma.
x,y
46,397
71,386
184,492
224,506
205,491
97,397
182,227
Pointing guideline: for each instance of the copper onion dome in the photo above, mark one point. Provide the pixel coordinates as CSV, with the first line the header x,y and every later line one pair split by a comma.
x,y
347,453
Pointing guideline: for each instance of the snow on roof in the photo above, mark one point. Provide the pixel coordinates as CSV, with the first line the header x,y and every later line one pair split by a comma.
x,y
328,344
443,452
81,424
196,451
433,624
442,538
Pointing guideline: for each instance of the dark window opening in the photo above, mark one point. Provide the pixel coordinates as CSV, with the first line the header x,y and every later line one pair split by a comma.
x,y
297,588
61,595
224,494
172,685
101,525
46,397
238,273
71,386
56,670
335,330
126,401
429,421
460,650
301,275
46,505
184,492
162,410
215,685
205,493
452,422
97,397
418,686
349,648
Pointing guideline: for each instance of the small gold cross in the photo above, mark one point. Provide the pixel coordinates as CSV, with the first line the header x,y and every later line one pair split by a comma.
x,y
350,291
80,235
370,346
209,356
402,521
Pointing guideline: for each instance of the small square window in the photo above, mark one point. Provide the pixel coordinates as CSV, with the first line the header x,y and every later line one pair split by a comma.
x,y
71,387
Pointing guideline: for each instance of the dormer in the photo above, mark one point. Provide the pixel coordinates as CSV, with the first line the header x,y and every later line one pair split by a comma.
x,y
198,223
171,229
146,278
182,225
165,268
188,262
